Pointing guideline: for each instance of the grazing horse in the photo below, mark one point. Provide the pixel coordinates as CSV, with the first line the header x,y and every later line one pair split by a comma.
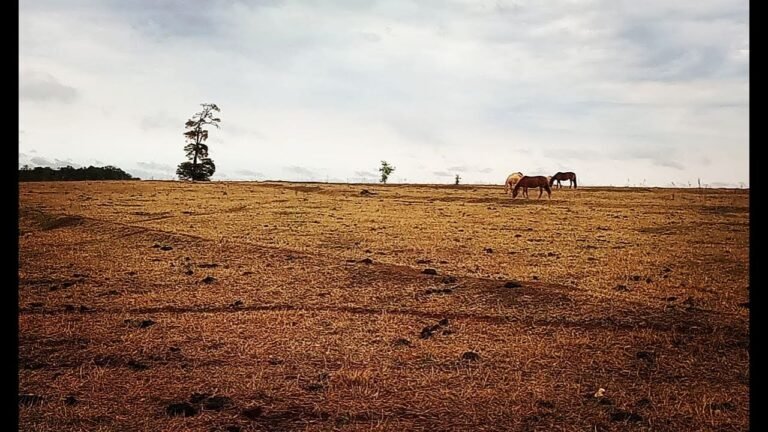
x,y
535,181
563,176
512,180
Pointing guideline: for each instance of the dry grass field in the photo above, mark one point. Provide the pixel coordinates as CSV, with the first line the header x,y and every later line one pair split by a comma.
x,y
280,307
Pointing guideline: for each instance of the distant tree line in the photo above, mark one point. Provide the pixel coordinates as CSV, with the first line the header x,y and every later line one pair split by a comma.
x,y
69,173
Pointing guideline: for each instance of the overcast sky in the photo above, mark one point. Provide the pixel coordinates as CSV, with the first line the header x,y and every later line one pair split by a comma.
x,y
617,91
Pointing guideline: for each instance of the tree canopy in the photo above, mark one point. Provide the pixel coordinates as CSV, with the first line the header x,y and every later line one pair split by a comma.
x,y
69,173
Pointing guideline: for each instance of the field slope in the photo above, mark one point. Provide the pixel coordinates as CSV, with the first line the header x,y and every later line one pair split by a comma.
x,y
279,306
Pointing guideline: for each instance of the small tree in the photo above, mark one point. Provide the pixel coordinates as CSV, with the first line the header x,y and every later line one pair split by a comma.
x,y
199,167
457,179
385,170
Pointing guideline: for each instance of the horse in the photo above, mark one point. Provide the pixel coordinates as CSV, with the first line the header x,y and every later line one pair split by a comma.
x,y
534,181
563,176
512,180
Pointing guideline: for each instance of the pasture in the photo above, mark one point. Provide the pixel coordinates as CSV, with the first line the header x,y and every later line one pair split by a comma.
x,y
279,306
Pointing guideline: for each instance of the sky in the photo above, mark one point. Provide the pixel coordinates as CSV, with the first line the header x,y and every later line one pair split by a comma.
x,y
651,93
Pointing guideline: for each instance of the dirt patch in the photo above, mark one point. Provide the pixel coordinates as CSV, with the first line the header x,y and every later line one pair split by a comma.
x,y
50,222
253,413
402,342
430,291
722,406
429,331
470,356
181,409
724,210
139,323
217,403
625,416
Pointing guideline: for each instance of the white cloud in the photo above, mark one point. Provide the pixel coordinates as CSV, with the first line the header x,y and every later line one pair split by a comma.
x,y
44,87
331,88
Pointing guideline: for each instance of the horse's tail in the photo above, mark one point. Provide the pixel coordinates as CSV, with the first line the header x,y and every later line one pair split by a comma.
x,y
574,182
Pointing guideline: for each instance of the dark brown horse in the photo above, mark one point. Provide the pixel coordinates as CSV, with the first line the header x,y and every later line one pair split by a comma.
x,y
531,182
563,176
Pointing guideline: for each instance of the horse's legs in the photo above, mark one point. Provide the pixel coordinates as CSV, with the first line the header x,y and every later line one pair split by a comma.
x,y
549,192
541,191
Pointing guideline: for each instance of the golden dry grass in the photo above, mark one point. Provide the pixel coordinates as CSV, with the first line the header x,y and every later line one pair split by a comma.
x,y
641,292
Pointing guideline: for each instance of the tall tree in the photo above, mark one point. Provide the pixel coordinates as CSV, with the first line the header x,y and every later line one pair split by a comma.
x,y
199,167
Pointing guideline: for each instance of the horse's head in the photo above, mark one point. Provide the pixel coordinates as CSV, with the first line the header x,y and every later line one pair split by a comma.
x,y
551,180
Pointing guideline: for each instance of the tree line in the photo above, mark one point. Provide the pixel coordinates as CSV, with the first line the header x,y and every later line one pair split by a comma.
x,y
69,173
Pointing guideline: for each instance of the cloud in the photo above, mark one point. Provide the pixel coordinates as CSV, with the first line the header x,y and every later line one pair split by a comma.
x,y
726,185
149,175
304,172
458,168
366,174
249,173
369,36
669,164
482,88
443,174
151,170
162,121
466,169
235,130
44,87
154,166
55,163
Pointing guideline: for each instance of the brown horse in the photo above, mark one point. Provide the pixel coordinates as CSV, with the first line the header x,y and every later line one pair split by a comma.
x,y
512,181
563,176
535,181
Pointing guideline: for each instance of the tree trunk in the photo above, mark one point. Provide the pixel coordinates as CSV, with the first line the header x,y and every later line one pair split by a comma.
x,y
197,152
194,166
